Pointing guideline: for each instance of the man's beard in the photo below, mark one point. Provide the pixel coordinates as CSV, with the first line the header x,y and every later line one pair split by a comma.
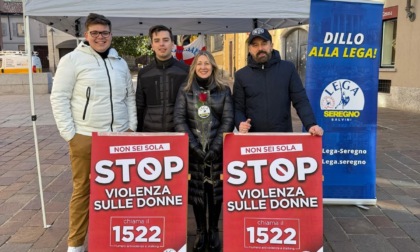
x,y
262,59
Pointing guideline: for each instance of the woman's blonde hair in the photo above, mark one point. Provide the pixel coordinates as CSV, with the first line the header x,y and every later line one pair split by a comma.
x,y
215,76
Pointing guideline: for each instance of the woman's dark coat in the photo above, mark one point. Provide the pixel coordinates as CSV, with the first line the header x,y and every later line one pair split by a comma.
x,y
222,113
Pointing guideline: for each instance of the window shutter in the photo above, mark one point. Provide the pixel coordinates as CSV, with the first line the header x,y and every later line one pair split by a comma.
x,y
4,29
14,26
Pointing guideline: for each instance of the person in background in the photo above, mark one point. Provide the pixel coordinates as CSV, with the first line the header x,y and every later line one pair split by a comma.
x,y
204,110
92,92
158,84
264,90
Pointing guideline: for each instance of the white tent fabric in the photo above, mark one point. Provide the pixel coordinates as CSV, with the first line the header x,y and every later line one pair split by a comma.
x,y
131,17
135,17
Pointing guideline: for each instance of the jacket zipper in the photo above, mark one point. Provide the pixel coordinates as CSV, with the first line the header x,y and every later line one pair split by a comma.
x,y
110,95
165,86
267,110
157,91
87,102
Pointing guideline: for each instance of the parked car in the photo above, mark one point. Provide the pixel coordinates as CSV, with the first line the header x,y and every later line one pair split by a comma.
x,y
16,62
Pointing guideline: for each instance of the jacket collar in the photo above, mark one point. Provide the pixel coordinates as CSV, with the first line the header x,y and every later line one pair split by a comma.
x,y
164,64
196,88
87,49
275,58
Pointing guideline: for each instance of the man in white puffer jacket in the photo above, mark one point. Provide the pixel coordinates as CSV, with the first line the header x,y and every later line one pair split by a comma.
x,y
92,92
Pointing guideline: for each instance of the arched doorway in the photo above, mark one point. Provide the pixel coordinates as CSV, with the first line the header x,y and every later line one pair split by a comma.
x,y
296,47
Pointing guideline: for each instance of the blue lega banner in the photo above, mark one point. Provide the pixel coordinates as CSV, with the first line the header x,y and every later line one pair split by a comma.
x,y
342,85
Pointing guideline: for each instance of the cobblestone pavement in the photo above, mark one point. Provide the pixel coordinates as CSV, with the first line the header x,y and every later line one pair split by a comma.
x,y
392,225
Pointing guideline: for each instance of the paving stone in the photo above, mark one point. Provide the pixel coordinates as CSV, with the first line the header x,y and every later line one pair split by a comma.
x,y
62,221
21,198
3,239
4,218
45,249
343,246
62,245
10,207
23,216
5,194
393,190
62,197
10,227
7,180
404,244
25,166
38,221
54,170
401,216
16,186
15,247
27,178
372,210
327,247
381,221
27,235
415,210
412,229
326,213
383,182
408,183
393,232
390,205
4,157
357,226
407,201
333,231
50,238
345,211
383,195
56,206
372,243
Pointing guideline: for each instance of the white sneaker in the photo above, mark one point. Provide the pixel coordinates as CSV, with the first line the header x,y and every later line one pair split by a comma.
x,y
76,249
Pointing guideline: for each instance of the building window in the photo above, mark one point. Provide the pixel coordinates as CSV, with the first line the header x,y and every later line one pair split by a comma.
x,y
389,35
389,43
216,42
20,30
42,30
384,86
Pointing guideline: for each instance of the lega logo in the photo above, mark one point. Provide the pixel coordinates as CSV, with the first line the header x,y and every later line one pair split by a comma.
x,y
342,94
169,250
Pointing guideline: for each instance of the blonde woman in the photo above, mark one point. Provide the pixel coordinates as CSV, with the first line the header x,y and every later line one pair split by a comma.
x,y
204,110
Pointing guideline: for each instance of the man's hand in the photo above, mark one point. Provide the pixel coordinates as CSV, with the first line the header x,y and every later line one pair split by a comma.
x,y
316,131
245,126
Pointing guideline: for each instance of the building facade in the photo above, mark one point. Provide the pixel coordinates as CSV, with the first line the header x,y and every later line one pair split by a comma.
x,y
13,33
399,74
399,85
231,50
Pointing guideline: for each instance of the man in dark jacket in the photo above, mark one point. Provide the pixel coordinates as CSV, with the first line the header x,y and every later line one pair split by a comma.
x,y
264,90
158,84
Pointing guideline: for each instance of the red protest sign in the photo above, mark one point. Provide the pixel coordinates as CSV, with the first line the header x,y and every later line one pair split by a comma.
x,y
272,192
138,192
